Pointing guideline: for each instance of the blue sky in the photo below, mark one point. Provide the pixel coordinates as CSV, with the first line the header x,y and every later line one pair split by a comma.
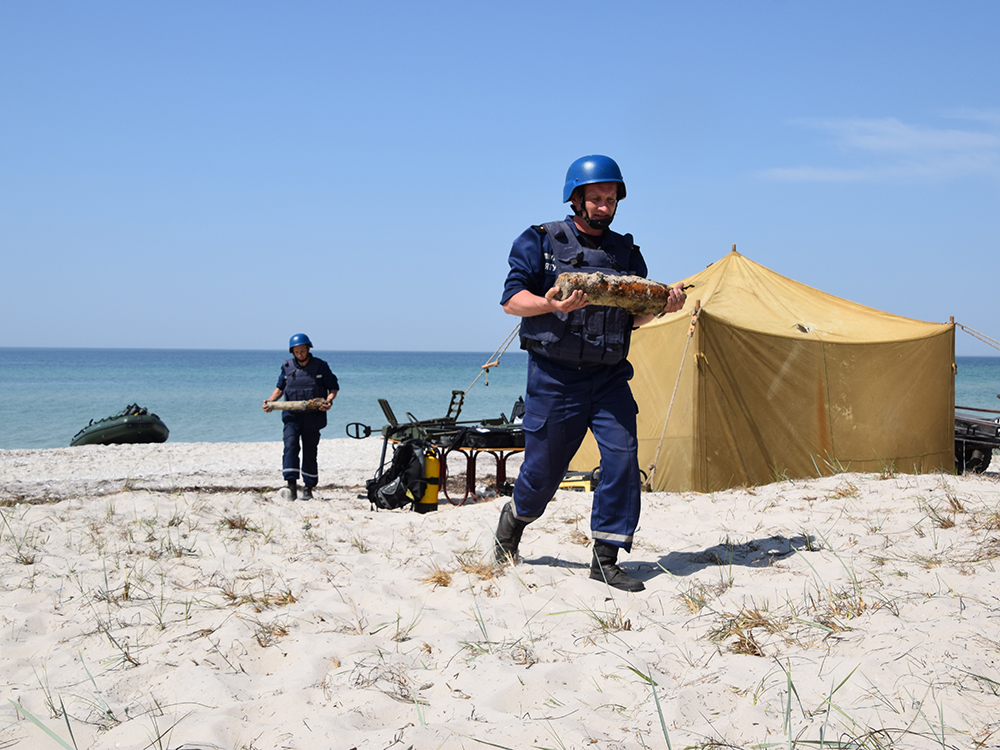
x,y
222,175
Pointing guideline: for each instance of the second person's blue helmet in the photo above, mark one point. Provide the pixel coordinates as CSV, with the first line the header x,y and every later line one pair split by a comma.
x,y
298,340
590,169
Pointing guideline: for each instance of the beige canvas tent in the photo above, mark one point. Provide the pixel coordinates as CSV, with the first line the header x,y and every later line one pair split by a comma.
x,y
782,380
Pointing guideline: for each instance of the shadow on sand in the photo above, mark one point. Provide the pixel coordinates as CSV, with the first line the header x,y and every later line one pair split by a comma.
x,y
756,553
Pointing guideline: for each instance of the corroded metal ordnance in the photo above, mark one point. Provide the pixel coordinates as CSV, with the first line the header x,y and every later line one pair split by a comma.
x,y
313,403
637,295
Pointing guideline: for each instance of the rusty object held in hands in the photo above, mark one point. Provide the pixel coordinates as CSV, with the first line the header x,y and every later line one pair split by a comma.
x,y
309,405
633,293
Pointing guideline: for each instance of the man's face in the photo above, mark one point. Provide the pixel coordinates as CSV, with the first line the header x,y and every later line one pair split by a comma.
x,y
301,353
599,200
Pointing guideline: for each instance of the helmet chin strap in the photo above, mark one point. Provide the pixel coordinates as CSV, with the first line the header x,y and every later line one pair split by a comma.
x,y
598,224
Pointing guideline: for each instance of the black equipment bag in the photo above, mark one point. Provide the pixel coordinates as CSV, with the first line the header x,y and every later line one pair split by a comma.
x,y
404,481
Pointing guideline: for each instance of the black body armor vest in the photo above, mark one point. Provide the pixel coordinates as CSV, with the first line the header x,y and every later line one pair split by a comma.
x,y
303,384
595,334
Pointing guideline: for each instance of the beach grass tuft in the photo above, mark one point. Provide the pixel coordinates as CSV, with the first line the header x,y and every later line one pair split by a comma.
x,y
27,541
438,576
471,564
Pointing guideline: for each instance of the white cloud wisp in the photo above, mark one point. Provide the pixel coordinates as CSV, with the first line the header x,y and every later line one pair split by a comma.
x,y
900,152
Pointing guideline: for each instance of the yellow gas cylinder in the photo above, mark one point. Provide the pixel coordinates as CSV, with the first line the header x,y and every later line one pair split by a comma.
x,y
432,473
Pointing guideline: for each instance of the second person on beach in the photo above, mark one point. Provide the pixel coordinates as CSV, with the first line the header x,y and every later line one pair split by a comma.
x,y
303,378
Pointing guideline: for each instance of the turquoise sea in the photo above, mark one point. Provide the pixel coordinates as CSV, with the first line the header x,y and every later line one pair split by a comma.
x,y
215,396
977,382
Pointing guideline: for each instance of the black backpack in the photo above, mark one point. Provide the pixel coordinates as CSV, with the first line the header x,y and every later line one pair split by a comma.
x,y
404,481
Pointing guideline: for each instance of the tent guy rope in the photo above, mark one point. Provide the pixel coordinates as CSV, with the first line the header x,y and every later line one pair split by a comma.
x,y
494,359
981,336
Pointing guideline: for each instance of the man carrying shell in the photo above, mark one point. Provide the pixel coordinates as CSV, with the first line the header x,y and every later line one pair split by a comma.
x,y
303,378
577,368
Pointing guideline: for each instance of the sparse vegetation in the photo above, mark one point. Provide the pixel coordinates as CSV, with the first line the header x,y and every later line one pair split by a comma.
x,y
438,576
741,617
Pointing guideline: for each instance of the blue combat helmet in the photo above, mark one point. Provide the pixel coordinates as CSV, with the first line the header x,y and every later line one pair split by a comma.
x,y
298,340
590,169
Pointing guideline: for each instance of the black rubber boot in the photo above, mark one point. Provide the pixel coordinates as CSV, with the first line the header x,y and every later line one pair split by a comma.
x,y
307,493
604,567
292,489
508,536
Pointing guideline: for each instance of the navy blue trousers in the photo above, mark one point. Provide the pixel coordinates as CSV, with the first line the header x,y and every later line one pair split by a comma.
x,y
293,433
561,402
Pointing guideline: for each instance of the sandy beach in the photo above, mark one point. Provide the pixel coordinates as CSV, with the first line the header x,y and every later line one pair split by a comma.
x,y
165,596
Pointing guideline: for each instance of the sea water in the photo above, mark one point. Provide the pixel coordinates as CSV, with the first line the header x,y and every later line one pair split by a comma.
x,y
216,396
977,382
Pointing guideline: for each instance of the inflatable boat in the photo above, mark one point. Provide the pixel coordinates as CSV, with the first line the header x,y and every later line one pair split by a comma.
x,y
133,425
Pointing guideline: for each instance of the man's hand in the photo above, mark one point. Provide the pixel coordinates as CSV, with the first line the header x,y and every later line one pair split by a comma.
x,y
574,301
267,406
328,401
675,300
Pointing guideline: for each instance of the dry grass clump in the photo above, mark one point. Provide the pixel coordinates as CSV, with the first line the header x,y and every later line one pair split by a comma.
x,y
611,621
821,614
889,471
741,626
22,557
990,521
848,604
955,502
845,489
939,519
283,598
578,537
437,577
239,522
267,596
986,519
390,679
471,564
267,633
696,596
27,542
